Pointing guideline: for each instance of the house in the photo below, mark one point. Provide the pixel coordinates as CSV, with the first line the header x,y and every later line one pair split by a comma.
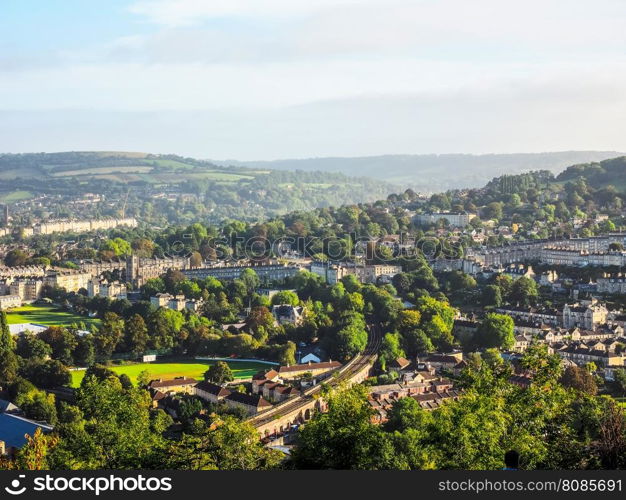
x,y
251,404
288,314
522,381
212,393
13,431
310,358
399,364
433,400
9,301
178,384
270,374
315,369
278,392
444,361
157,397
586,316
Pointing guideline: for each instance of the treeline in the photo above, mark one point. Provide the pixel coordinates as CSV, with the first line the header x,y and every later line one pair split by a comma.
x,y
556,423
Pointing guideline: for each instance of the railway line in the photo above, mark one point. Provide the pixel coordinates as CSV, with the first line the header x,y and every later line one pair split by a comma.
x,y
346,373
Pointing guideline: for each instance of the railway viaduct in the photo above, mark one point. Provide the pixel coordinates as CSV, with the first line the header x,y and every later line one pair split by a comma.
x,y
282,416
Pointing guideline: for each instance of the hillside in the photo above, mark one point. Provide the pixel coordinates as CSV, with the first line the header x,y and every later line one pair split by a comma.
x,y
598,174
183,188
433,173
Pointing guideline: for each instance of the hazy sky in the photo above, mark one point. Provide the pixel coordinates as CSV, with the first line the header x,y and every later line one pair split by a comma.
x,y
264,79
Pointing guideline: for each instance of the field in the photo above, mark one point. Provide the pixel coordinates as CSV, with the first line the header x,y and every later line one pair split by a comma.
x,y
99,171
194,369
46,315
15,196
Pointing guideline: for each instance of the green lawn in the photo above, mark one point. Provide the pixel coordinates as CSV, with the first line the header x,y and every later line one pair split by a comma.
x,y
46,315
15,196
194,369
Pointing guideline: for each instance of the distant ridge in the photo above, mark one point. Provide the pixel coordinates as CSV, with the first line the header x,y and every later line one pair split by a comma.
x,y
435,172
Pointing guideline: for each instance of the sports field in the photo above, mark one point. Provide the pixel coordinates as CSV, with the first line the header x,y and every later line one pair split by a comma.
x,y
165,370
46,315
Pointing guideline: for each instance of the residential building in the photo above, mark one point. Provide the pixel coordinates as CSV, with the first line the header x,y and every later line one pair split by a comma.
x,y
288,314
9,301
587,316
212,393
251,404
177,384
103,288
454,219
71,281
14,429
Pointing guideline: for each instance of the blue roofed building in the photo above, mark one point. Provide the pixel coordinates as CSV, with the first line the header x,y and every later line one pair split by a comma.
x,y
13,430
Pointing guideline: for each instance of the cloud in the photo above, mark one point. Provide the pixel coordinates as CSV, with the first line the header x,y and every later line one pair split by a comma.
x,y
188,12
245,78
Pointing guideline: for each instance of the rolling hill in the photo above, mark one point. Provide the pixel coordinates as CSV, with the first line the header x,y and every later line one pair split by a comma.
x,y
176,187
433,173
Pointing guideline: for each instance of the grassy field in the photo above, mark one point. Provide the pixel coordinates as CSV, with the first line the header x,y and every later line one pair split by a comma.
x,y
165,370
46,315
99,171
15,196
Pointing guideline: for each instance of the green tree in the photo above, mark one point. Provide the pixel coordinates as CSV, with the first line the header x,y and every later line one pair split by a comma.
x,y
136,335
219,373
491,296
524,291
343,437
389,350
8,358
496,330
285,297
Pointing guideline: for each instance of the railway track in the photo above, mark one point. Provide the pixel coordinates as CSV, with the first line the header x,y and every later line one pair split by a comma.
x,y
342,374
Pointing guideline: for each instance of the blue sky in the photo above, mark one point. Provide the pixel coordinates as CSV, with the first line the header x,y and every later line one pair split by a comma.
x,y
263,79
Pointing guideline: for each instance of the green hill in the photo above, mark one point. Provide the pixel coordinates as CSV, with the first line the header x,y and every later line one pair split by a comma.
x,y
598,174
203,188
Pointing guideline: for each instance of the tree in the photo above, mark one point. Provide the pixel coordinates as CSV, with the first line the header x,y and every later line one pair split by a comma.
x,y
15,258
496,330
620,380
38,405
31,347
343,437
62,341
260,318
250,279
390,349
219,373
136,335
406,413
546,368
285,297
524,291
491,296
580,380
226,444
8,358
116,431
195,260
50,373
416,342
109,335
85,352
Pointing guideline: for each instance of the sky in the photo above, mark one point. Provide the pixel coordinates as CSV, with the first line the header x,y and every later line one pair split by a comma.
x,y
268,79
